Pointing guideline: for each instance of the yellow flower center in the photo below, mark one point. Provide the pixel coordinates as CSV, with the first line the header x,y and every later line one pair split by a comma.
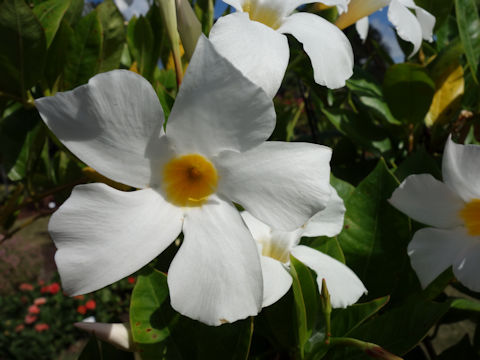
x,y
273,250
262,14
471,217
189,180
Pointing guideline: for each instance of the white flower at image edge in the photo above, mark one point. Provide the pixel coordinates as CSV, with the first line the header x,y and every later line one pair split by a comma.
x,y
276,246
252,39
410,27
452,209
130,8
213,153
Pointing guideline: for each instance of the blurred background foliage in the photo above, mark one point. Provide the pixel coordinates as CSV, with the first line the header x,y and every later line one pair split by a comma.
x,y
390,120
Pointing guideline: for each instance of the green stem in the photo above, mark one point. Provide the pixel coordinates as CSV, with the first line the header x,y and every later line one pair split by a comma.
x,y
372,350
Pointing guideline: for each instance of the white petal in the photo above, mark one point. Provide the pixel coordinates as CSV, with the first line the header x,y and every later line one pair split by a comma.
x,y
276,280
467,264
328,222
236,4
362,26
281,184
344,286
118,335
291,5
259,52
406,24
427,23
258,229
217,108
461,169
216,276
432,251
327,46
108,124
429,201
103,235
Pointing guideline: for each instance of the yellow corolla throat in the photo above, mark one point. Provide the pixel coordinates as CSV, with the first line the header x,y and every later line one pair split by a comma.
x,y
471,217
262,14
189,180
275,251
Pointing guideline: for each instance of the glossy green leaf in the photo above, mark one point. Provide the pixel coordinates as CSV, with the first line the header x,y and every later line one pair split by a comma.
x,y
148,297
329,246
22,48
375,236
409,92
141,43
50,14
420,162
74,12
468,23
305,291
57,56
84,51
113,33
466,305
344,321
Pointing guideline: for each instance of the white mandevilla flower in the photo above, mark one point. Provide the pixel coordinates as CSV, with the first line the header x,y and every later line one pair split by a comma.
x,y
252,39
410,27
452,208
131,8
212,154
276,246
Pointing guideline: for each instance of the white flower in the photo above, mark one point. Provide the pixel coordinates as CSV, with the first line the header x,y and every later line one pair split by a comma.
x,y
117,334
252,39
275,246
452,208
130,8
410,27
212,154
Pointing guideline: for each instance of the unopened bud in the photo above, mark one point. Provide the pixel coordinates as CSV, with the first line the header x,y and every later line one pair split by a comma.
x,y
118,335
189,26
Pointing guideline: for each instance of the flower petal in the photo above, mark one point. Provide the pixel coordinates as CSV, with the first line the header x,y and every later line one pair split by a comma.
x,y
466,266
103,235
281,184
108,124
429,201
344,286
327,46
461,169
328,222
132,7
217,108
406,24
216,276
276,280
236,4
427,23
362,26
432,251
259,52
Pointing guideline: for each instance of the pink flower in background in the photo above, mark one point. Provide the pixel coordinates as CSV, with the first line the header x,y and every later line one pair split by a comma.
x,y
41,327
40,301
33,309
131,280
54,288
29,319
19,328
25,287
82,309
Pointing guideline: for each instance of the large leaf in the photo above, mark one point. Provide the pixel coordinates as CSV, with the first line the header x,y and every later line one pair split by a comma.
x,y
57,56
50,14
113,32
376,235
141,44
438,8
409,91
469,28
84,51
22,48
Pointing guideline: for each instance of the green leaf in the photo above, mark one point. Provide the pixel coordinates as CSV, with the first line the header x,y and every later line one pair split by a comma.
x,y
50,14
359,129
420,162
344,189
344,321
148,297
141,42
84,51
74,12
57,56
329,246
469,28
113,32
438,8
305,291
22,48
466,305
409,92
375,236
